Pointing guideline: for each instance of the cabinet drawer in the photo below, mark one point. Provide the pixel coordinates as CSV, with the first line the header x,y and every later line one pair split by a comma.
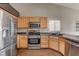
x,y
61,39
53,37
44,43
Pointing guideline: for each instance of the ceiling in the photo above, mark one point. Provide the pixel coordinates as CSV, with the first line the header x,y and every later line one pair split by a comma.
x,y
70,5
31,8
22,7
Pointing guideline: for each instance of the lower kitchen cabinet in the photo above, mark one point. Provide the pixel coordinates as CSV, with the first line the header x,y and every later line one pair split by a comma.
x,y
18,41
62,45
22,41
53,42
67,48
44,41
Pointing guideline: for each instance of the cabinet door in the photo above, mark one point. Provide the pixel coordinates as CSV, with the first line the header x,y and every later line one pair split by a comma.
x,y
18,41
44,41
53,42
23,22
34,19
43,21
23,41
68,47
62,45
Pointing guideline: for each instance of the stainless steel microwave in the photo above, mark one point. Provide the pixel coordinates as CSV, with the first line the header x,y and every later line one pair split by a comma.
x,y
34,25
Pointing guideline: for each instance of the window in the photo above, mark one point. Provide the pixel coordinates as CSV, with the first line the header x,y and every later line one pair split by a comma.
x,y
54,25
77,25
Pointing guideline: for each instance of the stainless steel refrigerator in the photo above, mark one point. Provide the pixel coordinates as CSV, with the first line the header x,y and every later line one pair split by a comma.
x,y
7,34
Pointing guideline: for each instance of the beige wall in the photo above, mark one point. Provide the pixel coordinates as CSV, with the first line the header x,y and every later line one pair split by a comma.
x,y
68,17
54,12
37,9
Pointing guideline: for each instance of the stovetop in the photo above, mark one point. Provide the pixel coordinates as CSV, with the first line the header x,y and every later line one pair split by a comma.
x,y
34,33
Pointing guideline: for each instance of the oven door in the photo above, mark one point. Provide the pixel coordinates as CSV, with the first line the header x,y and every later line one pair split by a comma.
x,y
34,41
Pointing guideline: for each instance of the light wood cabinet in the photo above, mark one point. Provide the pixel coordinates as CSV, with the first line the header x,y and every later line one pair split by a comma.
x,y
22,41
23,22
43,21
59,43
44,41
62,45
67,48
18,41
34,19
53,42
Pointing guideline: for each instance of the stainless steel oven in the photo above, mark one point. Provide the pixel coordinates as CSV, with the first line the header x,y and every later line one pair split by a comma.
x,y
34,41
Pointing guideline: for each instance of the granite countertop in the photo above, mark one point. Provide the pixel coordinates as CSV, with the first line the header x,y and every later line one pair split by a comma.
x,y
22,33
74,43
72,33
72,39
43,33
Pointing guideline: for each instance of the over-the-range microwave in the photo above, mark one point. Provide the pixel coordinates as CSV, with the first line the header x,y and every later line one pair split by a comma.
x,y
34,25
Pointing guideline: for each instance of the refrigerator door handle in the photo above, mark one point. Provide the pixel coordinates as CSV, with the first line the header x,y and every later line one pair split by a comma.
x,y
4,33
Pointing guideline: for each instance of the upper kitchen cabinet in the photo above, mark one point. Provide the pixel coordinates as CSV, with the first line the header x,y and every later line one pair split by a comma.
x,y
23,22
35,19
43,21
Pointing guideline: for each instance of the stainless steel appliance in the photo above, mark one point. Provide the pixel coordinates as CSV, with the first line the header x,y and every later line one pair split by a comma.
x,y
34,40
4,29
34,25
34,43
13,37
13,50
7,37
8,51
